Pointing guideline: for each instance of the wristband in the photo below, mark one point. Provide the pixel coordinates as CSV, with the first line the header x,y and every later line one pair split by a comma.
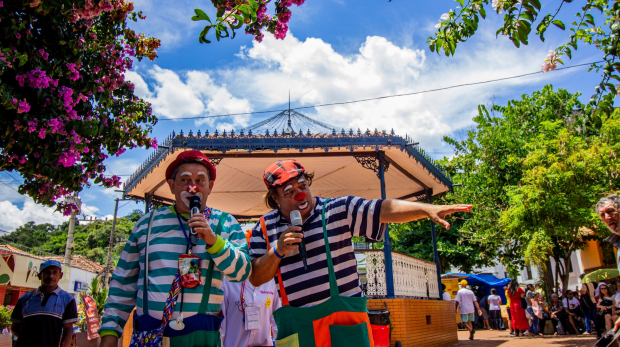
x,y
276,253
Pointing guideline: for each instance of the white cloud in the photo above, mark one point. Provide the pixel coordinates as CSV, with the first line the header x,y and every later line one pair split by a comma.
x,y
193,95
11,216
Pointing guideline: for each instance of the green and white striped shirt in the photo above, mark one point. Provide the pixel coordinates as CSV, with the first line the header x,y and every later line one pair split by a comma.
x,y
230,254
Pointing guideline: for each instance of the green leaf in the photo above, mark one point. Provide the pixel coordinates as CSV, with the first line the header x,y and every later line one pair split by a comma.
x,y
558,23
201,14
536,4
23,59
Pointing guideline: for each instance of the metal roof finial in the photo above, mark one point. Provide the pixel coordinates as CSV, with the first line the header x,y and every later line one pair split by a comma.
x,y
267,132
173,134
359,132
275,132
215,133
207,133
224,133
333,132
198,133
350,131
232,132
191,134
181,133
301,132
241,132
250,132
308,133
392,132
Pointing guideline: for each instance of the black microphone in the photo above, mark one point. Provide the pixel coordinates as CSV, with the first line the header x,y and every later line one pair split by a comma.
x,y
194,207
297,221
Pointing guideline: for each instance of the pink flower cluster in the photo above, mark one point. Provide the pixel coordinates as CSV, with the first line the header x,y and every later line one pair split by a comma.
x,y
551,63
73,73
36,79
91,10
43,54
284,17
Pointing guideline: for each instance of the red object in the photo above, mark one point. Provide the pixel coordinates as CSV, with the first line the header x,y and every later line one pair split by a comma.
x,y
518,320
189,157
280,172
192,189
92,317
300,196
381,335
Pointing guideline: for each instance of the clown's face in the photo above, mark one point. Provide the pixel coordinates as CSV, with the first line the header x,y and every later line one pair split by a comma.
x,y
192,180
295,195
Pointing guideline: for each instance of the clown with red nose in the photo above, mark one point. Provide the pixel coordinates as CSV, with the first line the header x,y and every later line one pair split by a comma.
x,y
327,226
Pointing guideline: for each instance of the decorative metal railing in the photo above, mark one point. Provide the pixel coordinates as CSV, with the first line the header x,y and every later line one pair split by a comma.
x,y
413,277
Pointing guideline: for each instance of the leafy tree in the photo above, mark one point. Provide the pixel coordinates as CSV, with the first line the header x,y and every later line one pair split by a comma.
x,y
454,250
521,16
64,103
135,215
565,175
494,165
30,234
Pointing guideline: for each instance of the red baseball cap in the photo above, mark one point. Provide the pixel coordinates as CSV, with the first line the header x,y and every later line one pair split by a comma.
x,y
189,157
280,172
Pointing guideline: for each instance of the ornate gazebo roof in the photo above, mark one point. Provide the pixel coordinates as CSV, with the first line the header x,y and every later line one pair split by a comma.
x,y
344,163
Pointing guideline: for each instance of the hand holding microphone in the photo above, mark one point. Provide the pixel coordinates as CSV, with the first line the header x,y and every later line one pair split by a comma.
x,y
298,222
198,224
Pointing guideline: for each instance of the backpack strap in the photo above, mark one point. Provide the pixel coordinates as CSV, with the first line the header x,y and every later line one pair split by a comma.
x,y
145,285
204,303
283,295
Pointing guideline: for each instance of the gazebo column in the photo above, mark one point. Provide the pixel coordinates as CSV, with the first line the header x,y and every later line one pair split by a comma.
x,y
429,197
387,247
148,201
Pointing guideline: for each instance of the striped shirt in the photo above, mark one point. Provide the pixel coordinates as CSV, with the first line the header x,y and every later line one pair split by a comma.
x,y
166,244
346,216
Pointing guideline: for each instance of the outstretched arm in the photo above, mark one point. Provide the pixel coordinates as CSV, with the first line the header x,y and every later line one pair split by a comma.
x,y
400,211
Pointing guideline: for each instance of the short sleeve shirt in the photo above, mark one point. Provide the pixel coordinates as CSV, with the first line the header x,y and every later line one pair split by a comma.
x,y
571,304
494,302
42,317
466,299
346,216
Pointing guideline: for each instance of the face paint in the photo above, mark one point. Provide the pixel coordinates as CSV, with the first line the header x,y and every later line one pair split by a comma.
x,y
287,188
300,196
186,173
202,173
185,195
192,189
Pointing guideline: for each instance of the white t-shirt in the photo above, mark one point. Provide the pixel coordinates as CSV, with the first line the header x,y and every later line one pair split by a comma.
x,y
466,299
446,296
494,302
572,304
267,300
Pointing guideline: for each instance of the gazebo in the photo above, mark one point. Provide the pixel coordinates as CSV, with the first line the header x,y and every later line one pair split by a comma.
x,y
369,164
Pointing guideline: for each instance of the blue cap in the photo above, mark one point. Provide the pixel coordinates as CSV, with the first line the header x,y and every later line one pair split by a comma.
x,y
49,263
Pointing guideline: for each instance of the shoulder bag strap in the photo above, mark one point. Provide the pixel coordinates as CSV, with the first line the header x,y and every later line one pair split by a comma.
x,y
333,283
283,295
145,285
204,303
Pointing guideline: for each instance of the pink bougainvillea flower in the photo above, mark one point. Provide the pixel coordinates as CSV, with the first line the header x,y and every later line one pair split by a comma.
x,y
24,107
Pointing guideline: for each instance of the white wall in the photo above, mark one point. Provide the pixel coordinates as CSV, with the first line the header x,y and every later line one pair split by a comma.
x,y
80,276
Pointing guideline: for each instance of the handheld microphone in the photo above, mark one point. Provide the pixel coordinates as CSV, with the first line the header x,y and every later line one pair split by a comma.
x,y
194,207
297,221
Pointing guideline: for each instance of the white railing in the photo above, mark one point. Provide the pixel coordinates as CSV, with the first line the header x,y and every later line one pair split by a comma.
x,y
413,277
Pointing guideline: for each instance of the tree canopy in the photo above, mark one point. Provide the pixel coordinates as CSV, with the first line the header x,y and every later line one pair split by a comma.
x,y
65,104
534,173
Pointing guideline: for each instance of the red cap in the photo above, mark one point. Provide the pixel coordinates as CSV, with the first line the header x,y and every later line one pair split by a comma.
x,y
189,157
280,172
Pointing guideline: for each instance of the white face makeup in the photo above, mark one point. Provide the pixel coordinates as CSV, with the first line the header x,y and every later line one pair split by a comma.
x,y
201,177
186,173
287,188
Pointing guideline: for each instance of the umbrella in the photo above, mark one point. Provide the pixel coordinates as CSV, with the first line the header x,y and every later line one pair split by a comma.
x,y
600,275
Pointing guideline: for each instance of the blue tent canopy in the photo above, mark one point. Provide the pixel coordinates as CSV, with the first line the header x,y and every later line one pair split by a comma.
x,y
485,283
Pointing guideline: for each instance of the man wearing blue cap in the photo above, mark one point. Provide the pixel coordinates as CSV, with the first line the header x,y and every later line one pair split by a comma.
x,y
41,317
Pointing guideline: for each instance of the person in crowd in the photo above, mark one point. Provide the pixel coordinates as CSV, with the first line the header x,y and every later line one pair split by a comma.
x,y
274,246
588,305
484,307
606,309
206,246
529,298
545,316
571,307
248,313
508,310
44,317
495,311
445,295
559,317
539,289
518,322
466,299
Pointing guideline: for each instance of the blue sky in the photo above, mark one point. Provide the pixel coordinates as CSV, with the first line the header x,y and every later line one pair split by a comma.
x,y
336,51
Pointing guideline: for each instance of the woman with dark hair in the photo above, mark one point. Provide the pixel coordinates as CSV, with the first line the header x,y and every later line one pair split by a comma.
x,y
495,312
606,310
518,322
559,317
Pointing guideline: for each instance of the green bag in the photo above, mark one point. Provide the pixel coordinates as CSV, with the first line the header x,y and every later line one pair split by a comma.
x,y
337,322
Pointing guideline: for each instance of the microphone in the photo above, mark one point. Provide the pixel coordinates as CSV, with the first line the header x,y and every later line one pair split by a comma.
x,y
194,207
297,221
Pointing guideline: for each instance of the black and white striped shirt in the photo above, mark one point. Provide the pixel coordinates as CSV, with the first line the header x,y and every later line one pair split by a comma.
x,y
346,216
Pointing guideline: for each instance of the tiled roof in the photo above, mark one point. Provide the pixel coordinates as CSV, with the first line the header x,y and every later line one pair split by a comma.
x,y
80,262
8,249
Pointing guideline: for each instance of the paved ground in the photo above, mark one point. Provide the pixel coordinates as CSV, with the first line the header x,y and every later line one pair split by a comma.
x,y
487,338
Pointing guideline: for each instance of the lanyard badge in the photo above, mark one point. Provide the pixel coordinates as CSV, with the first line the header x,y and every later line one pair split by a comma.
x,y
189,266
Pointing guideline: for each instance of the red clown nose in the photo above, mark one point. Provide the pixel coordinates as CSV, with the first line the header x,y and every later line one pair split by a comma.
x,y
300,196
192,189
